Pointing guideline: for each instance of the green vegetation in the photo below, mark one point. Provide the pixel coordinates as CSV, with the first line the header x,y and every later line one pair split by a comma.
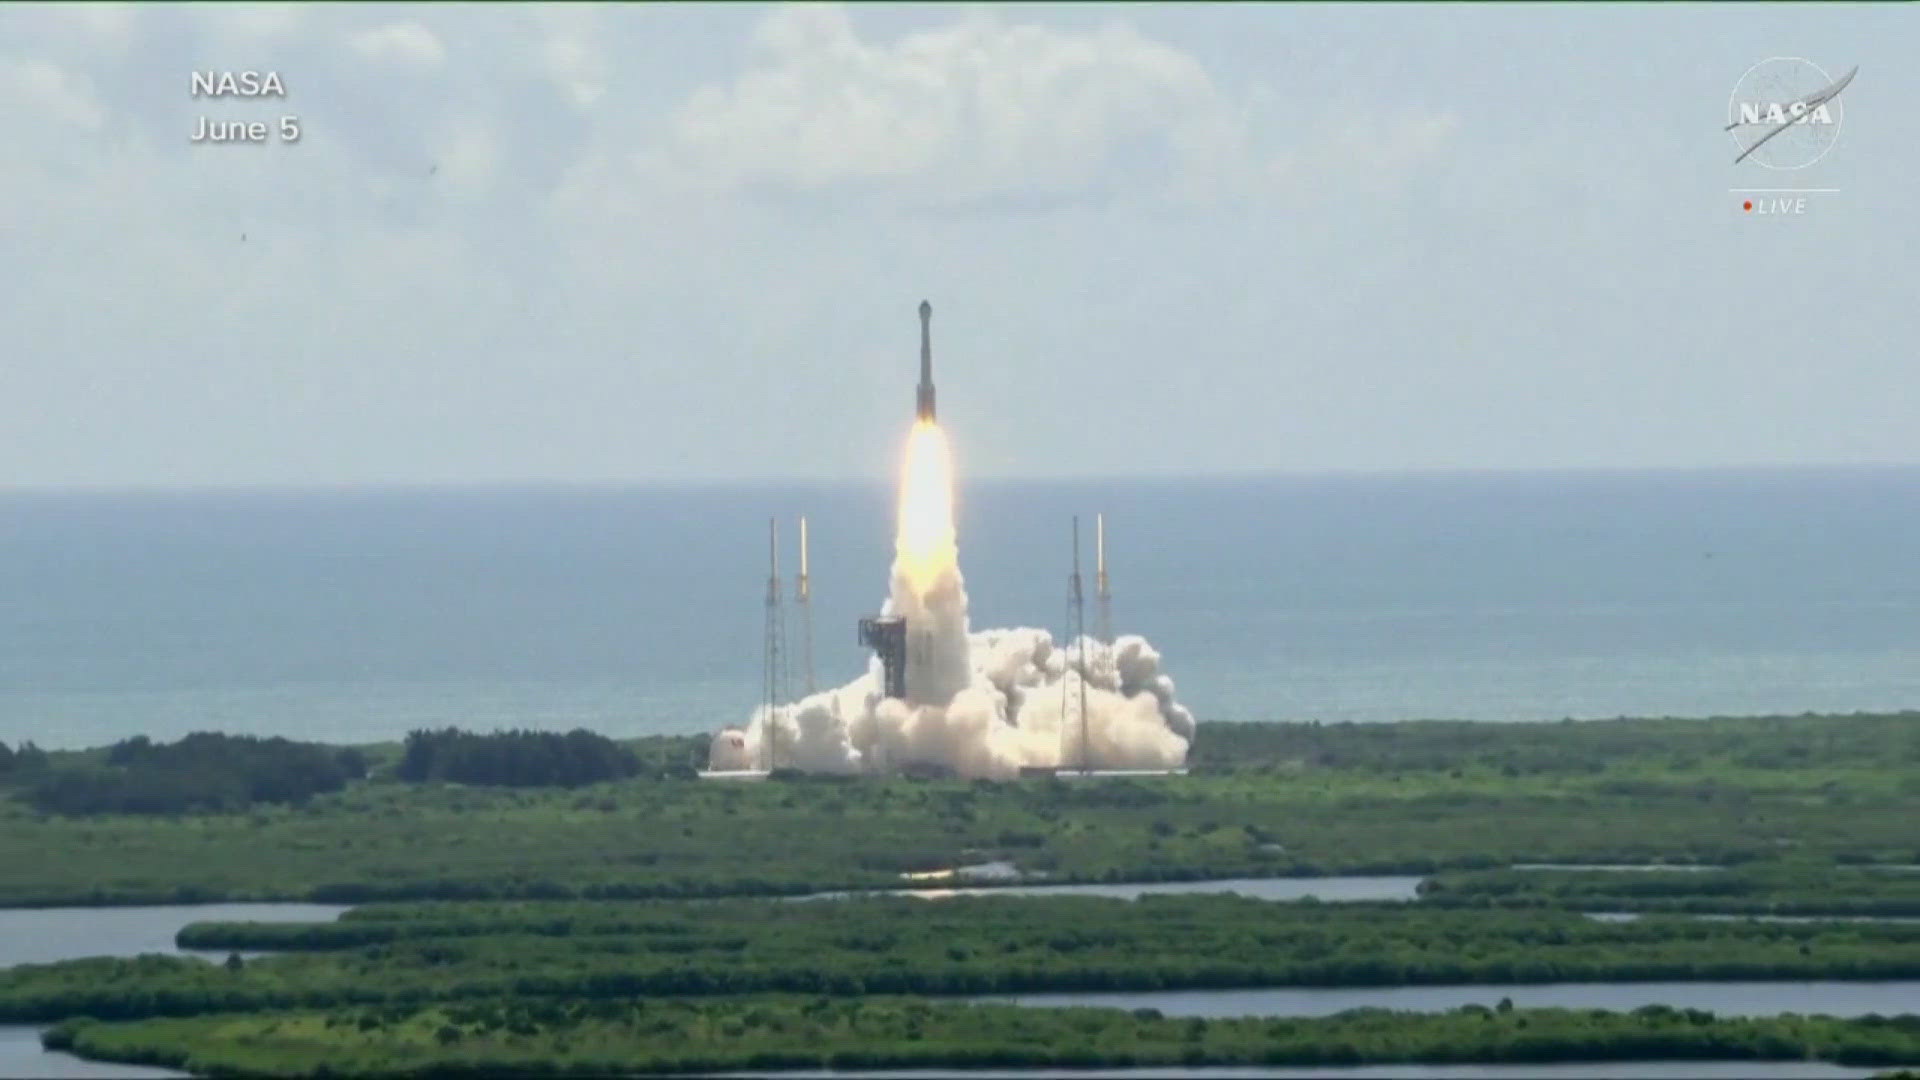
x,y
1265,800
1783,888
17,763
559,870
515,758
902,945
203,772
1722,748
628,1037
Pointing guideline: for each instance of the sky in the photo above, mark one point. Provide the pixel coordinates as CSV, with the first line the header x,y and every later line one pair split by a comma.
x,y
608,244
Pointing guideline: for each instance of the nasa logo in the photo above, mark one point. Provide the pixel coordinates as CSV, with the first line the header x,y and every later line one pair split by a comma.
x,y
1772,112
237,84
1785,113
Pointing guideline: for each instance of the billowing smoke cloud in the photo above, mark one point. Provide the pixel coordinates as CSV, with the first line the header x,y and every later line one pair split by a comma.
x,y
982,704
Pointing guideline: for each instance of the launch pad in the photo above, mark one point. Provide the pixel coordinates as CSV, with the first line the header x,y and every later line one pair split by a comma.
x,y
874,725
1068,772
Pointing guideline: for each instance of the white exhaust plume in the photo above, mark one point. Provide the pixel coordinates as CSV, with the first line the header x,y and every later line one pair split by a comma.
x,y
1019,707
982,704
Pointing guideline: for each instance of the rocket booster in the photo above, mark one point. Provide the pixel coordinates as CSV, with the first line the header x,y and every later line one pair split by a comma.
x,y
923,404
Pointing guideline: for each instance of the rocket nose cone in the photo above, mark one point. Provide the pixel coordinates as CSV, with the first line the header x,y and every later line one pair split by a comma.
x,y
926,310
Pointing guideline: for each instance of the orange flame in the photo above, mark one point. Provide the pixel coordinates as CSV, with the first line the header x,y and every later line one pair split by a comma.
x,y
924,543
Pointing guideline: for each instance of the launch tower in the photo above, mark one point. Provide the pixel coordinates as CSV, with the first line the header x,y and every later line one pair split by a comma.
x,y
1102,591
886,635
1077,636
774,675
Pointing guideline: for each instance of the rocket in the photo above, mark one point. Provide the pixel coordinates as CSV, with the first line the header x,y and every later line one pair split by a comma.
x,y
923,407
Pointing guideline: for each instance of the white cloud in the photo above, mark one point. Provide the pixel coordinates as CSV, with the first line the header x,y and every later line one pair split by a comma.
x,y
254,22
41,91
1396,146
576,67
109,22
469,158
570,55
577,255
403,43
1353,152
986,111
979,108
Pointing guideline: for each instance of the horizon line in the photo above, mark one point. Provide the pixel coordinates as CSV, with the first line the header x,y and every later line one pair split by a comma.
x,y
670,483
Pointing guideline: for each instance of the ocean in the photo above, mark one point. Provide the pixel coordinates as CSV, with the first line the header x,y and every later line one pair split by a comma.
x,y
355,616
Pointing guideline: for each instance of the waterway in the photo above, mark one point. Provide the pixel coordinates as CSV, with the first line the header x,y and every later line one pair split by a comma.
x,y
22,1056
49,935
46,935
1619,868
1328,889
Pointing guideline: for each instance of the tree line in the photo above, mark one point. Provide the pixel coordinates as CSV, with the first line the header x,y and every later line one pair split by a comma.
x,y
515,758
506,1036
904,945
1808,887
203,772
27,759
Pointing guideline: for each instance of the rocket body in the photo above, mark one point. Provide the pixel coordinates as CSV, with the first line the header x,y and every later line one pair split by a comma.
x,y
923,403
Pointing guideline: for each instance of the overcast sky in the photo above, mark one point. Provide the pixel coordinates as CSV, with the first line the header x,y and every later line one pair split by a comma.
x,y
608,244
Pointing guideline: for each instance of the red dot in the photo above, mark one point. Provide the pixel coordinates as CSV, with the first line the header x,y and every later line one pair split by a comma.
x,y
1748,205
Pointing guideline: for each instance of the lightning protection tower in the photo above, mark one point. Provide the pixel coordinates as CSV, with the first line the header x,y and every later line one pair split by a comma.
x,y
775,648
1077,635
1102,592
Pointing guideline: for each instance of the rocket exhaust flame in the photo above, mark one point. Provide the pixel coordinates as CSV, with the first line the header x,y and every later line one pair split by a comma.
x,y
982,704
924,543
